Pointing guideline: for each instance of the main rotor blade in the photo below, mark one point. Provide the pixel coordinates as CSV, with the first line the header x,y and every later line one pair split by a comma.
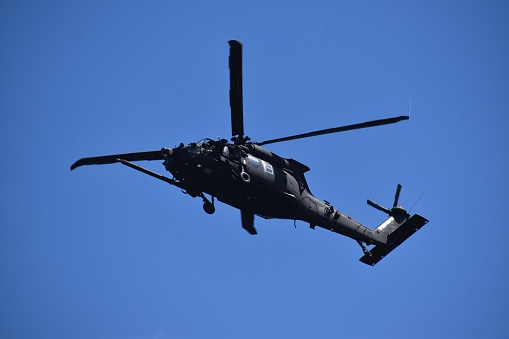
x,y
110,159
336,130
236,104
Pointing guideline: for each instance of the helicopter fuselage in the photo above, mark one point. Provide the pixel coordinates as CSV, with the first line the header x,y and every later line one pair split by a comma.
x,y
258,182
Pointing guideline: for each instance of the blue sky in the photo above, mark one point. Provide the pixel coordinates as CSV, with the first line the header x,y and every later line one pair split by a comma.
x,y
105,252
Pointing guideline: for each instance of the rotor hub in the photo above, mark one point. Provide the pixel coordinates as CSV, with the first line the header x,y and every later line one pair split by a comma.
x,y
399,214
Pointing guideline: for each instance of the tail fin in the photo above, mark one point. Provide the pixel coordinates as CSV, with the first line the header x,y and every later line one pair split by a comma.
x,y
398,228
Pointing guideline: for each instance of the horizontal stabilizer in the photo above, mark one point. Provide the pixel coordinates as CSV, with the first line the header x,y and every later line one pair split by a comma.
x,y
395,239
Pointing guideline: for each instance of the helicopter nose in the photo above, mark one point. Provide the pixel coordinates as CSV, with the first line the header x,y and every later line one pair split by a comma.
x,y
169,161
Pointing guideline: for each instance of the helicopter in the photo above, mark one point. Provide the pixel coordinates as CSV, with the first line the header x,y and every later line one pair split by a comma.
x,y
243,174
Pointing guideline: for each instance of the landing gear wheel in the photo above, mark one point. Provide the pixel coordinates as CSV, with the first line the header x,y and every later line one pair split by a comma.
x,y
208,207
365,249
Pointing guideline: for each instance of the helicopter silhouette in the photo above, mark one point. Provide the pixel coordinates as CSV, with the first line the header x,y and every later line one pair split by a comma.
x,y
244,175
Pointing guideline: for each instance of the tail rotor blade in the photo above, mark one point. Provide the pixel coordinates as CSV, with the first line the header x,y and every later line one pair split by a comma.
x,y
236,101
378,207
396,197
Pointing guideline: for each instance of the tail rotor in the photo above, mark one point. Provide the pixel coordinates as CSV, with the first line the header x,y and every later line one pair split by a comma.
x,y
397,212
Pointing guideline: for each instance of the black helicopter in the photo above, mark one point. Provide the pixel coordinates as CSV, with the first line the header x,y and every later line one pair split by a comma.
x,y
243,174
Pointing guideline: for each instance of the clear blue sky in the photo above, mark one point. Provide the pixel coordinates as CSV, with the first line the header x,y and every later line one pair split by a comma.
x,y
106,252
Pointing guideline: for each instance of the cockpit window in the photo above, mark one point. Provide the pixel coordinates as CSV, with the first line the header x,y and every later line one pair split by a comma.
x,y
198,147
194,150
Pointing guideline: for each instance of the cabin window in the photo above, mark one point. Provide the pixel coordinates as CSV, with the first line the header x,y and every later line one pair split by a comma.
x,y
268,168
254,162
